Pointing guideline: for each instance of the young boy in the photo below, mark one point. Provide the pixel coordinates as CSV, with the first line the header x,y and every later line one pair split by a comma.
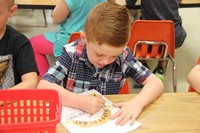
x,y
18,69
101,61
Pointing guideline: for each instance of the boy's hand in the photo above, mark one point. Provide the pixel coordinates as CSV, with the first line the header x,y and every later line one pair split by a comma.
x,y
128,111
92,104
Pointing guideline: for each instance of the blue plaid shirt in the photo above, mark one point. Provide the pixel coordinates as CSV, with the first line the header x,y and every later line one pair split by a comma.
x,y
74,72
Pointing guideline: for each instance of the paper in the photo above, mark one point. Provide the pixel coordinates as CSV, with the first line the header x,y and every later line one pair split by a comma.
x,y
76,121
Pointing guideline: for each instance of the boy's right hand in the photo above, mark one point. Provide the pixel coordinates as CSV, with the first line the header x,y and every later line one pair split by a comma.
x,y
92,104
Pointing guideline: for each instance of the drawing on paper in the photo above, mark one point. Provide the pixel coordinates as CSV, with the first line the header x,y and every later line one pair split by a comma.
x,y
94,120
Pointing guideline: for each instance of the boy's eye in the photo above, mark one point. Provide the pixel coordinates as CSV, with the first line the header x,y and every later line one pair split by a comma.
x,y
99,55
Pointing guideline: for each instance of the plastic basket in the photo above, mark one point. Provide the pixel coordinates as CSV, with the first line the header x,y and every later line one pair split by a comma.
x,y
29,111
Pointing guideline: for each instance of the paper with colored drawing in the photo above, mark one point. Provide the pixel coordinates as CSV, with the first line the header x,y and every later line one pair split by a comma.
x,y
76,121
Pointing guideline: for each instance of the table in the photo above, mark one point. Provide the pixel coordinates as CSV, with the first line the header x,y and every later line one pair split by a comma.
x,y
50,4
189,3
169,113
182,4
37,4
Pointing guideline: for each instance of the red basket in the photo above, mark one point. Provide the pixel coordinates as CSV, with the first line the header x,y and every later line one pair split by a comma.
x,y
29,111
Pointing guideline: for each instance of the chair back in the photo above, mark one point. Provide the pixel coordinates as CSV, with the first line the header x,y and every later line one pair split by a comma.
x,y
152,39
74,36
125,88
190,87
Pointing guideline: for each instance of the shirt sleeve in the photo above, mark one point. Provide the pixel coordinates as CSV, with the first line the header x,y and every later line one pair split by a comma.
x,y
72,4
134,68
59,71
25,59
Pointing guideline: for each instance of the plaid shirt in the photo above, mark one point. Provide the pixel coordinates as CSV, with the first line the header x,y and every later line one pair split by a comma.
x,y
74,72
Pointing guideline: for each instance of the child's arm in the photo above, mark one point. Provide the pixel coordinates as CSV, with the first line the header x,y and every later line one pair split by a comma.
x,y
130,110
89,104
29,81
194,78
61,11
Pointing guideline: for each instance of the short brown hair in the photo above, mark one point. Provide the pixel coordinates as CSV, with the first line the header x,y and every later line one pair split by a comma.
x,y
108,23
9,3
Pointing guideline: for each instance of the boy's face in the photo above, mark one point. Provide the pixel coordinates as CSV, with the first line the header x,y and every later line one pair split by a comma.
x,y
5,13
102,55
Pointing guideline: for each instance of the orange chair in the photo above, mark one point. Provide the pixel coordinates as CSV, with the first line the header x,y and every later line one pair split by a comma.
x,y
74,36
154,40
125,89
190,87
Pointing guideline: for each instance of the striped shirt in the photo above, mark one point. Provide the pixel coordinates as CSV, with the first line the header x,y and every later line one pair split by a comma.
x,y
74,72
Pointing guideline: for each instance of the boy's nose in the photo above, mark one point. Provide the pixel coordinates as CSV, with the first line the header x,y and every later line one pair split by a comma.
x,y
105,61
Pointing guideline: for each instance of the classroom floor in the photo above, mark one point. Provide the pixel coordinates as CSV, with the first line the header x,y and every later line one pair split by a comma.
x,y
31,23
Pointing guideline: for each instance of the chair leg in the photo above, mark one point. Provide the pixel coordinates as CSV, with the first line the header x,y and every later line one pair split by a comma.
x,y
167,64
174,74
174,77
45,19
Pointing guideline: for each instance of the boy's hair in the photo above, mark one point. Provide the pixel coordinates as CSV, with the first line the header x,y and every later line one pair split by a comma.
x,y
108,23
9,2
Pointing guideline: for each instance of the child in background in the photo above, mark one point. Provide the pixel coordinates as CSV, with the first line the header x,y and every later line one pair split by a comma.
x,y
101,60
194,77
18,69
71,16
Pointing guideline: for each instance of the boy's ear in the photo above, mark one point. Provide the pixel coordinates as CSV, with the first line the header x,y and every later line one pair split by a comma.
x,y
83,36
12,11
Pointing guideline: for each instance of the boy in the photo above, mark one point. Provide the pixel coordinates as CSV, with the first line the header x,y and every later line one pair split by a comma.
x,y
101,61
18,69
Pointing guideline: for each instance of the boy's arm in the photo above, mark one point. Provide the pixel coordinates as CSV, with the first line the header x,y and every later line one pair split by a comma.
x,y
29,81
153,87
90,104
130,110
194,78
61,11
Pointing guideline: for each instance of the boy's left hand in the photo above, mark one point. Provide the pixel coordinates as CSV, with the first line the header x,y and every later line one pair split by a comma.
x,y
128,111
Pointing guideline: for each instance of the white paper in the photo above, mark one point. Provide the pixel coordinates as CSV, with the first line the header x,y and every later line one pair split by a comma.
x,y
69,114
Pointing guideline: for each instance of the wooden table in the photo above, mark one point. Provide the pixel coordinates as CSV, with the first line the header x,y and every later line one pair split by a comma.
x,y
182,4
170,113
50,4
189,3
37,4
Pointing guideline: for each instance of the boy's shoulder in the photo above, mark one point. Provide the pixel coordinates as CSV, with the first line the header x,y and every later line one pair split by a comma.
x,y
126,52
10,29
14,40
76,48
12,33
